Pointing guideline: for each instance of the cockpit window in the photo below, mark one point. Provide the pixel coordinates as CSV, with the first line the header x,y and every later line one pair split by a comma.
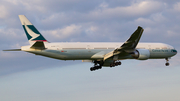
x,y
174,51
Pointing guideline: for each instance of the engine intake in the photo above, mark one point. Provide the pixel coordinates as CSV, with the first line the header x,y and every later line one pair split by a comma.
x,y
141,54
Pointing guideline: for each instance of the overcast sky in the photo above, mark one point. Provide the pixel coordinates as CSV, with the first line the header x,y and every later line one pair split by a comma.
x,y
24,76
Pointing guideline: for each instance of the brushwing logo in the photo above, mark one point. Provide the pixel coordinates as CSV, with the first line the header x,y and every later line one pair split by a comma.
x,y
31,33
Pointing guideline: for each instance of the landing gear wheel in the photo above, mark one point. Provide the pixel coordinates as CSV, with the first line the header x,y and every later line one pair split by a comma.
x,y
97,65
91,69
115,63
119,63
167,64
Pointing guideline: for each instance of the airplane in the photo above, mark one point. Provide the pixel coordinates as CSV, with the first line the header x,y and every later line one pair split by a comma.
x,y
101,54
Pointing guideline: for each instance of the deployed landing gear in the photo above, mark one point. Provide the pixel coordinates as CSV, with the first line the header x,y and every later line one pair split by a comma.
x,y
167,62
97,65
115,63
95,68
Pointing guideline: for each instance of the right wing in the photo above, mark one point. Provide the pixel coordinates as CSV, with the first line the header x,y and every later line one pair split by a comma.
x,y
128,47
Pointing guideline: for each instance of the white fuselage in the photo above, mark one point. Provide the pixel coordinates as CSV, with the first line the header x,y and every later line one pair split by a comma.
x,y
96,50
100,53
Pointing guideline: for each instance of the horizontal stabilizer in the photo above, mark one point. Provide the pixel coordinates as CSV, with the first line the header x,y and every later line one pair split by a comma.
x,y
13,50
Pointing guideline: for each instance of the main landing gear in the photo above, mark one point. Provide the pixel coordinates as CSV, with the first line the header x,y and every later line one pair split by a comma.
x,y
115,63
97,65
167,62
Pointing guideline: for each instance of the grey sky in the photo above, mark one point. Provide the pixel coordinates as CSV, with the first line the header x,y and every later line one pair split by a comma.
x,y
80,21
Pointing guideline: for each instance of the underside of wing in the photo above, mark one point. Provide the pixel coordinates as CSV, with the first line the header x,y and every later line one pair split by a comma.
x,y
128,47
132,42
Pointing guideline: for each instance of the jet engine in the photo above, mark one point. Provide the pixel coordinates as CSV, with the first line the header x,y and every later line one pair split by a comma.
x,y
141,54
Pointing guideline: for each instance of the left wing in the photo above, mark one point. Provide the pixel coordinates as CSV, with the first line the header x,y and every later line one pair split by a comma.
x,y
128,47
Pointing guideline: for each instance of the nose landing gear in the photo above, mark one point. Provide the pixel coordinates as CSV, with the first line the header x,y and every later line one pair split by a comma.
x,y
167,62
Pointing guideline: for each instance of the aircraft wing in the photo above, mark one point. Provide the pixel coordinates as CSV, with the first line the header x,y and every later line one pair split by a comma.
x,y
128,47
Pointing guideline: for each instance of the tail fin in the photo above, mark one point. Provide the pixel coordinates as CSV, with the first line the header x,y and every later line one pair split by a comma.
x,y
32,33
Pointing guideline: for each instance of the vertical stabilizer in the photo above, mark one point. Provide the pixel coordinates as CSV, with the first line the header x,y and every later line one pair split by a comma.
x,y
32,33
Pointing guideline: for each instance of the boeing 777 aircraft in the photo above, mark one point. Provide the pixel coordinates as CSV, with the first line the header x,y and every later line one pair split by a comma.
x,y
100,53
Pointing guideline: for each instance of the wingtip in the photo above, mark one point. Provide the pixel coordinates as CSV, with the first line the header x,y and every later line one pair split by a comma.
x,y
139,27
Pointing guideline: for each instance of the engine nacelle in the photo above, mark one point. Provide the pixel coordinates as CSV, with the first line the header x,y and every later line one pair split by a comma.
x,y
141,54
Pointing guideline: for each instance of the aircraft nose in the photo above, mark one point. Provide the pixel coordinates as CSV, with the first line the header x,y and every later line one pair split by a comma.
x,y
174,51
